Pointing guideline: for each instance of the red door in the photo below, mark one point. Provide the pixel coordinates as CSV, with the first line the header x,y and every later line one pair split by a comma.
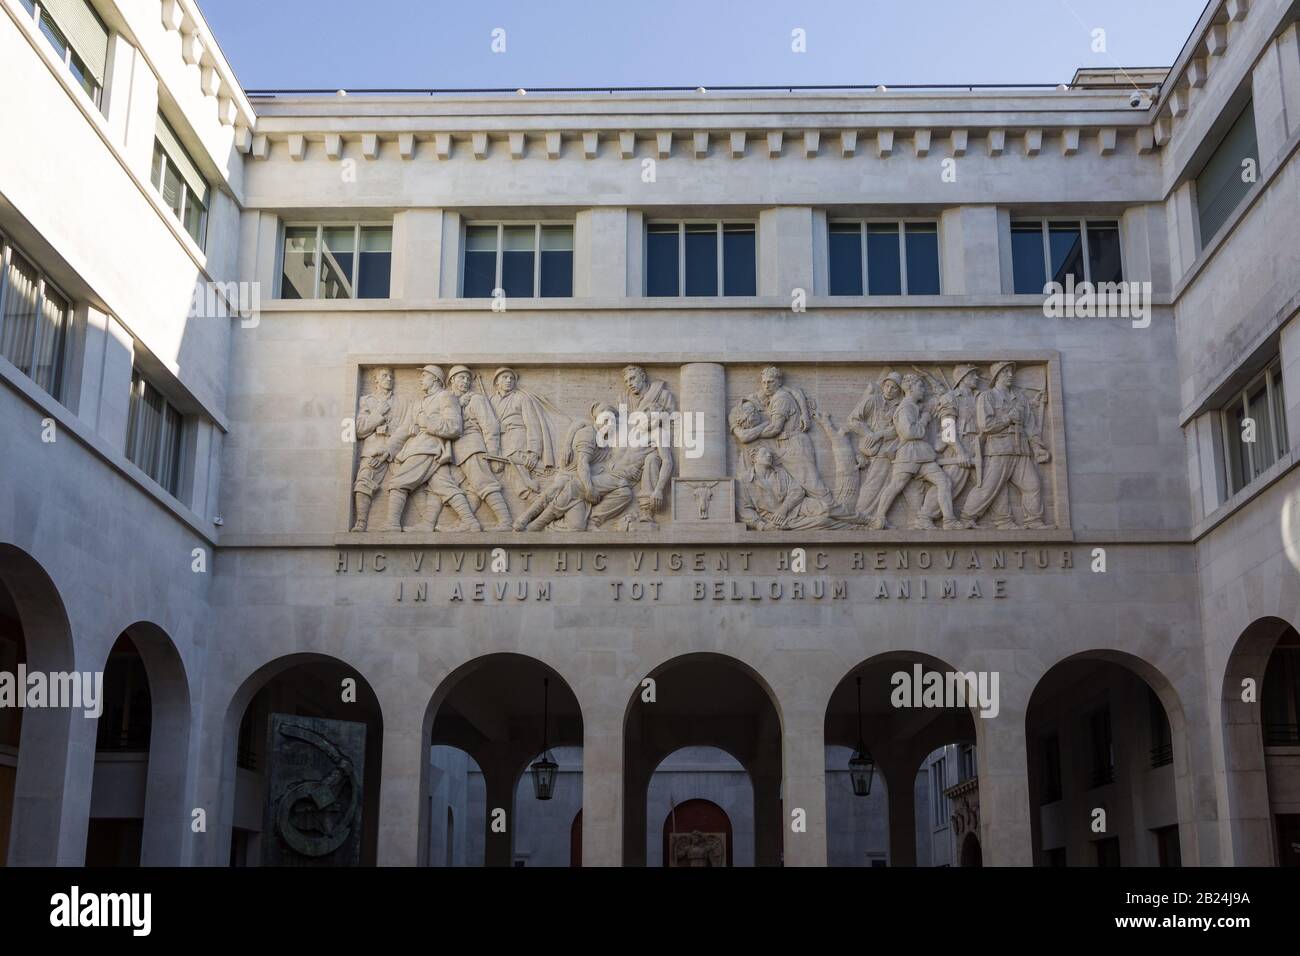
x,y
703,815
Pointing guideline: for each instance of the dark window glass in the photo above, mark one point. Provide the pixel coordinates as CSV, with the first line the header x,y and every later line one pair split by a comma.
x,y
1280,699
846,258
1065,246
517,261
922,258
480,262
1103,748
739,276
336,262
661,259
1220,187
1238,464
1108,851
47,361
702,259
375,263
884,272
18,325
195,219
1103,252
1169,852
1027,258
299,277
557,261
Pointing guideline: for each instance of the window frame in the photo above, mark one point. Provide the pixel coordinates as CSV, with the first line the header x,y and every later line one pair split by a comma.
x,y
320,228
96,94
1086,253
720,253
186,197
135,423
864,225
1278,439
501,225
7,248
941,813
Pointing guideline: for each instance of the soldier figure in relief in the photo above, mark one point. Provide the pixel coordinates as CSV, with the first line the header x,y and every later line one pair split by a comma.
x,y
646,465
526,437
1011,427
873,419
960,457
480,437
915,458
580,483
383,424
786,420
423,466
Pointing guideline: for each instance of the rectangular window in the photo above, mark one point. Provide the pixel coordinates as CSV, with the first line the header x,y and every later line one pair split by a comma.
x,y
34,321
1162,740
1053,250
938,784
523,260
967,762
343,261
155,433
1254,428
1102,747
1280,699
78,37
1168,851
182,187
701,259
1221,184
884,258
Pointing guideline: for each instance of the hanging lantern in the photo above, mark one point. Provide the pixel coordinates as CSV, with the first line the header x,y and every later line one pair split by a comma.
x,y
544,768
861,766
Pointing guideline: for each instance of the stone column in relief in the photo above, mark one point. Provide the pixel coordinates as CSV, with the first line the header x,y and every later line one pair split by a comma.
x,y
704,400
803,760
602,788
1005,836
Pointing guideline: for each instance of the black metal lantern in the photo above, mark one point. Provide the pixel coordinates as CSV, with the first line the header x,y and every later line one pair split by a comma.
x,y
861,766
544,768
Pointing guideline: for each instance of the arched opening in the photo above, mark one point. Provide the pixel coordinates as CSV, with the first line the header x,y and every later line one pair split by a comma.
x,y
34,635
506,713
899,737
137,802
1104,732
307,757
702,701
690,788
1261,734
970,851
697,833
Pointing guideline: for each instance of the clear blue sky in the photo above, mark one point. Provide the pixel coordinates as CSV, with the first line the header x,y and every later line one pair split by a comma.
x,y
437,43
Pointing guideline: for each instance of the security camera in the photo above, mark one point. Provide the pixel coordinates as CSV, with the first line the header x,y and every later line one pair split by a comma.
x,y
1135,100
1139,99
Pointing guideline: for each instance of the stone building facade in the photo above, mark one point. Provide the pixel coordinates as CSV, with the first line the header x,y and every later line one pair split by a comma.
x,y
626,423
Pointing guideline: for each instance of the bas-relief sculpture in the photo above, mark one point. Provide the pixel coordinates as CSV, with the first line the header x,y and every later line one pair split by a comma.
x,y
697,849
313,813
918,450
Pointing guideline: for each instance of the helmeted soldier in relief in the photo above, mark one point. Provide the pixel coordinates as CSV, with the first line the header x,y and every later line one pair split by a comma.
x,y
873,420
960,456
383,424
527,441
423,466
478,444
1011,429
915,458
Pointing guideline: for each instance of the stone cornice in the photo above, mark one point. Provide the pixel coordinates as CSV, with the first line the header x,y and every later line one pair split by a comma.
x,y
198,48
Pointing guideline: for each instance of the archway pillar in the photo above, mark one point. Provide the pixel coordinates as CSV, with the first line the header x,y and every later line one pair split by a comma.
x,y
1005,825
899,766
56,771
803,788
501,768
602,787
401,794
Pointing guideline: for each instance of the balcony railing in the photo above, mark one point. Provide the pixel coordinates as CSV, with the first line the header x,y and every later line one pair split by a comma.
x,y
1162,755
1281,735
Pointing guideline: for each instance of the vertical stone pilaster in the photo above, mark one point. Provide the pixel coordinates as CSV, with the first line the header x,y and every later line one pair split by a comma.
x,y
1005,835
602,788
804,788
402,794
704,396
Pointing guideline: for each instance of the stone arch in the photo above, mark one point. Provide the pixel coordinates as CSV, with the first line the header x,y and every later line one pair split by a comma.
x,y
704,699
1247,817
1181,811
167,809
38,827
231,758
487,694
899,740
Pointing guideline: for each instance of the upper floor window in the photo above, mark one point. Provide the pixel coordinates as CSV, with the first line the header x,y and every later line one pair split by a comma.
x,y
939,803
701,258
1224,181
79,38
884,258
179,182
1254,428
1162,739
352,261
1052,250
523,260
155,434
34,319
